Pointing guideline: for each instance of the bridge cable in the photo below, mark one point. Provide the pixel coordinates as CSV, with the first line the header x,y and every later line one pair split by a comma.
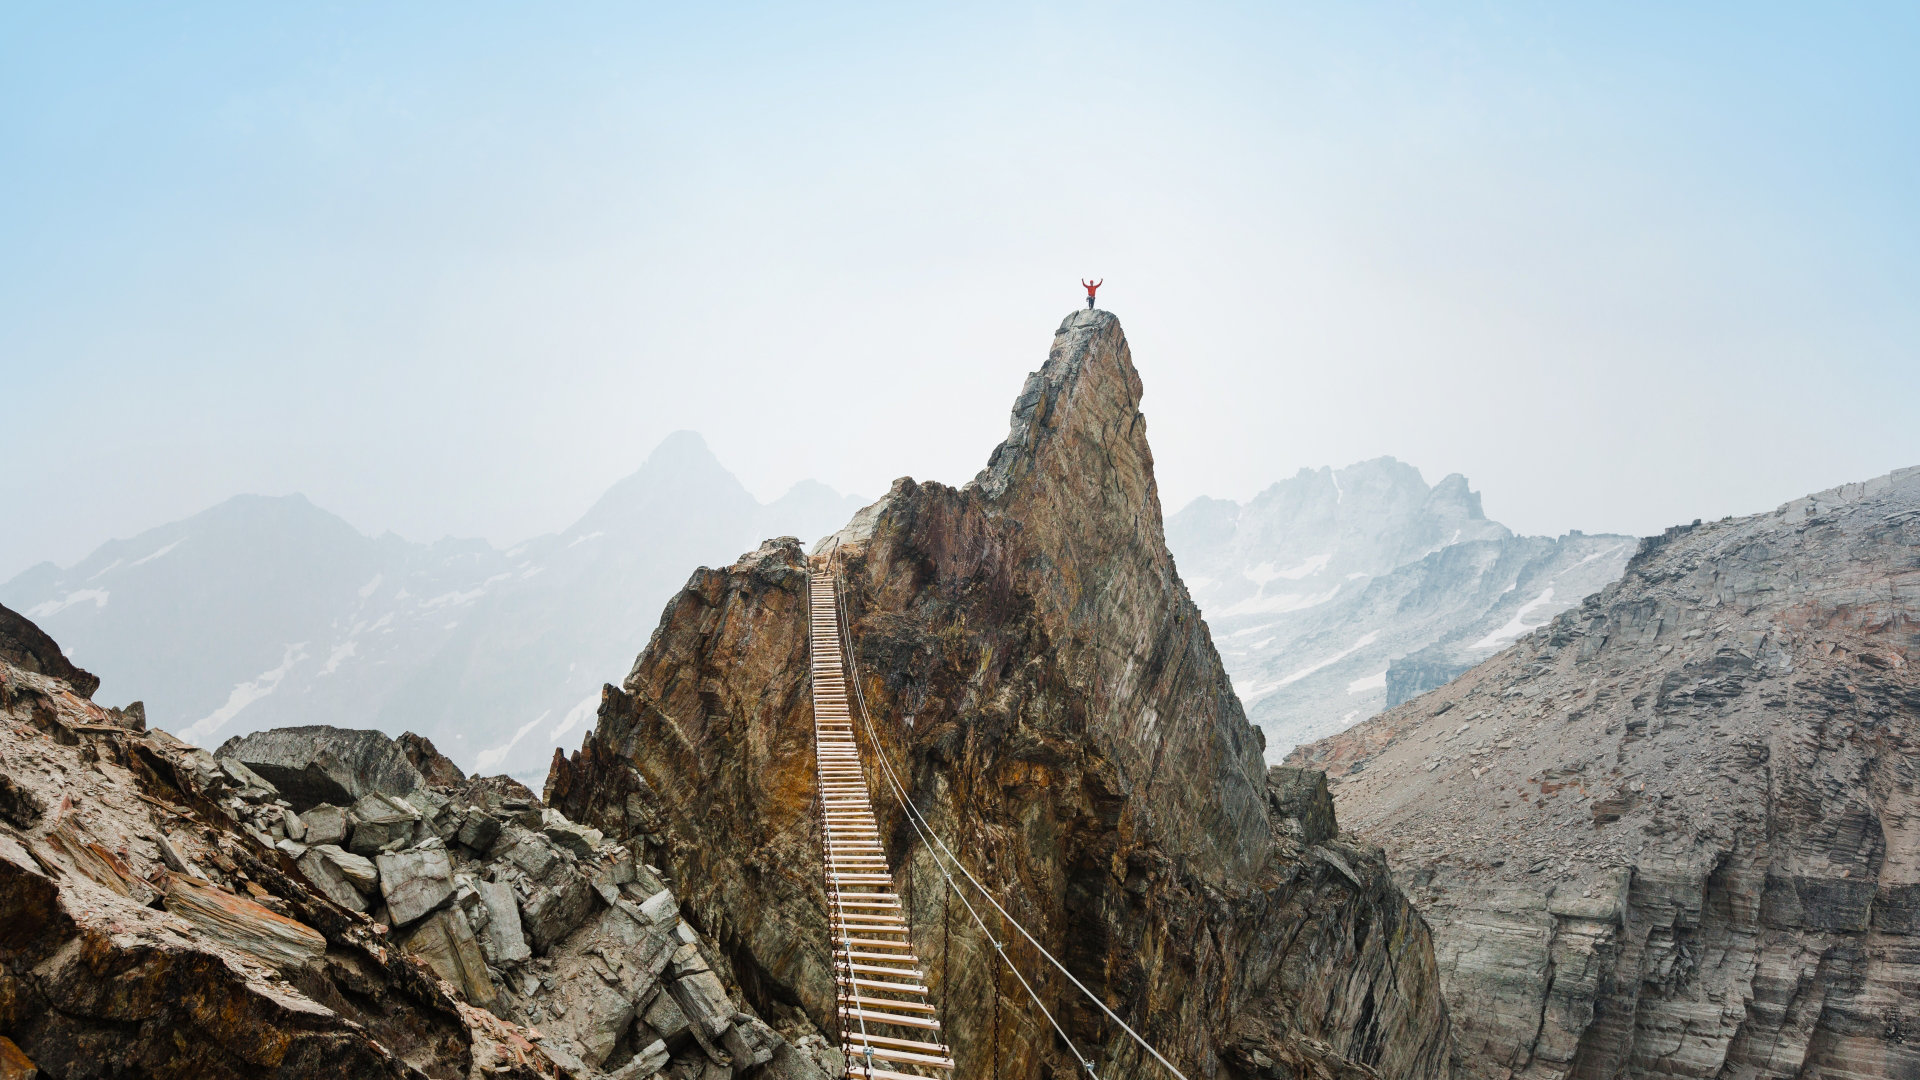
x,y
927,834
914,820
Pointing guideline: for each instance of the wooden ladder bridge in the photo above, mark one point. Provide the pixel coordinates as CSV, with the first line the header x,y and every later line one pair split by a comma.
x,y
889,1027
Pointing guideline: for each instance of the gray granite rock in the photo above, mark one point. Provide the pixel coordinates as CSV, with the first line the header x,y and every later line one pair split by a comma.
x,y
651,1059
478,830
327,867
381,824
665,1016
749,1042
503,934
554,911
575,838
326,764
415,882
446,942
326,824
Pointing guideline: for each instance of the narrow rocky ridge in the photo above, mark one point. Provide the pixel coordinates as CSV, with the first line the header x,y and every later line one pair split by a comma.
x,y
1051,695
1674,832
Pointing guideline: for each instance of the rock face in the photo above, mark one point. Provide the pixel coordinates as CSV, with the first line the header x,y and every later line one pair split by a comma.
x,y
164,912
1340,592
1674,832
1054,704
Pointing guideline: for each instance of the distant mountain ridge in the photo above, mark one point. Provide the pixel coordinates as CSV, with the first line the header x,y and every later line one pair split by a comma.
x,y
1339,592
271,612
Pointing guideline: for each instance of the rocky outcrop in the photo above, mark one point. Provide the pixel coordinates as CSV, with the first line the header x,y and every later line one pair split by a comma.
x,y
169,912
28,648
1054,704
1673,833
320,764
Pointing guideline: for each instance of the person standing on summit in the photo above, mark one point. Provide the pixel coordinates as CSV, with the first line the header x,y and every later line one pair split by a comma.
x,y
1091,285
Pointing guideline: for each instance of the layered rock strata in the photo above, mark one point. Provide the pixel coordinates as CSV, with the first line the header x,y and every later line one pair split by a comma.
x,y
1053,701
1674,832
165,911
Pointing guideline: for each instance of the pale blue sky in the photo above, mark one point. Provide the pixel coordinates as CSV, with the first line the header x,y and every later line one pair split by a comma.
x,y
455,268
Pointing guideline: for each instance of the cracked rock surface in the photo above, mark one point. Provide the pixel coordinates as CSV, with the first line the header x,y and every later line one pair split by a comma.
x,y
1674,833
169,912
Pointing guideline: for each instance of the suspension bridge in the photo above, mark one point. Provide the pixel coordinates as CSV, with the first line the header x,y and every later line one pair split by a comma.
x,y
889,1025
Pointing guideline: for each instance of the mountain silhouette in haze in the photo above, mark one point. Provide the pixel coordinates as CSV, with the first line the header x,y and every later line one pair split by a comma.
x,y
270,611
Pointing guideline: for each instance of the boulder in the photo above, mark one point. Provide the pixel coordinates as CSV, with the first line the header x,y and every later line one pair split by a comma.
x,y
447,943
505,939
703,998
296,828
325,824
323,868
554,911
579,839
326,764
661,908
381,824
415,882
251,784
648,1061
666,1018
749,1041
532,852
478,830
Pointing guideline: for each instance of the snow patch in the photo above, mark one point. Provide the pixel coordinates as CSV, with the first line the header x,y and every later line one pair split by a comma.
x,y
1598,555
489,758
1279,604
157,554
340,653
1365,640
1376,681
583,539
103,569
78,596
246,694
453,599
367,589
1517,625
1265,572
589,706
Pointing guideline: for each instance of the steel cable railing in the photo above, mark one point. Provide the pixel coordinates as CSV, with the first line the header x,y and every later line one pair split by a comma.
x,y
942,854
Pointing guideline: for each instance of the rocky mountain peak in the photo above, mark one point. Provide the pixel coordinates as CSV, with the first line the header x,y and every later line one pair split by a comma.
x,y
1053,701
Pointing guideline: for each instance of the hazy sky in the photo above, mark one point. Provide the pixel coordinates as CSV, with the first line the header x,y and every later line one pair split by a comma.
x,y
456,268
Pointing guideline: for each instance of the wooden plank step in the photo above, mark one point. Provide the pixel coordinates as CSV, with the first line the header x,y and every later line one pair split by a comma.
x,y
860,1070
891,987
939,1049
875,968
889,1003
901,1019
858,1048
